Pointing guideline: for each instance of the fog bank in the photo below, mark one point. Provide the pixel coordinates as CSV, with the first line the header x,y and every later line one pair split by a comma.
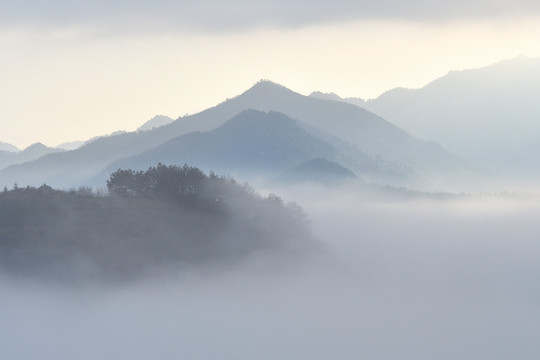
x,y
419,279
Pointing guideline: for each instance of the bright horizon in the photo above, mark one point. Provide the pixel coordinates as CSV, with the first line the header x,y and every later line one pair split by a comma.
x,y
75,75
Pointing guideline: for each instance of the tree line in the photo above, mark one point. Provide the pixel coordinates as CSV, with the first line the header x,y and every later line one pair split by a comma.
x,y
161,216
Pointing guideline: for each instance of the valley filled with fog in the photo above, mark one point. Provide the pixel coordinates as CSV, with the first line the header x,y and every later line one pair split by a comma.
x,y
276,225
416,279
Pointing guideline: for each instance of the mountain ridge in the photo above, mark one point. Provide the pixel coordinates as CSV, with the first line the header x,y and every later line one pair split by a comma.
x,y
32,152
264,142
8,147
156,121
368,132
487,114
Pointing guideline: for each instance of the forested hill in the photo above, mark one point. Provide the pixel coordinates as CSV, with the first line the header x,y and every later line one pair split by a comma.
x,y
164,217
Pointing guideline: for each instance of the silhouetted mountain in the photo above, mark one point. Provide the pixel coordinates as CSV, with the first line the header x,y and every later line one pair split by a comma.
x,y
70,145
252,141
73,145
319,171
156,121
331,96
368,132
488,115
361,129
34,151
8,147
76,167
256,144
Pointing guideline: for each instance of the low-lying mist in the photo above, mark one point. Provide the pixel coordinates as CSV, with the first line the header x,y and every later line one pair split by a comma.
x,y
160,220
397,279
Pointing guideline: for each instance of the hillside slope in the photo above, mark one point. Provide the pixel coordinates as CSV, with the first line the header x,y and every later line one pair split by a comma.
x,y
489,115
361,129
255,144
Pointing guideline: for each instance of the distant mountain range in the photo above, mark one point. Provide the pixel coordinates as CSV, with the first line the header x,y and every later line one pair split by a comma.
x,y
255,145
487,118
33,152
8,147
332,96
356,138
489,115
252,141
70,145
156,121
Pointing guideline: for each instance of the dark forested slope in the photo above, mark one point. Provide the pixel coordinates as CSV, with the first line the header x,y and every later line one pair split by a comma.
x,y
165,216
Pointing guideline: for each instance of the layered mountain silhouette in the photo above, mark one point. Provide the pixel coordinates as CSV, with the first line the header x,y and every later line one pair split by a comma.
x,y
8,147
489,115
265,143
255,145
34,151
332,96
156,121
70,145
357,134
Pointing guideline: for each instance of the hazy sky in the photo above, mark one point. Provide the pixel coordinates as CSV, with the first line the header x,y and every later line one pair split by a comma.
x,y
71,70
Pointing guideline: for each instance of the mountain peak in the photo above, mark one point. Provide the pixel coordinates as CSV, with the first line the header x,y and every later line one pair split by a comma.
x,y
8,147
251,142
267,87
38,149
268,83
156,121
37,145
326,96
335,97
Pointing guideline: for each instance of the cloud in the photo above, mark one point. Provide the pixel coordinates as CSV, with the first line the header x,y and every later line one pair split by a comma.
x,y
214,15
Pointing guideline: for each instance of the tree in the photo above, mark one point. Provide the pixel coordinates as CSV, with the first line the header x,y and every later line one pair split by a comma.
x,y
122,182
164,182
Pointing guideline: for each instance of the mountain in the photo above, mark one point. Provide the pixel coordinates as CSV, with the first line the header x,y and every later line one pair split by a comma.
x,y
8,147
255,145
361,130
358,127
156,121
332,96
253,142
70,145
489,115
319,171
34,151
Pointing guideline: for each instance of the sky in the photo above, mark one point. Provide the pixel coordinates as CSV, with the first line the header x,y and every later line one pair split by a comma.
x,y
71,70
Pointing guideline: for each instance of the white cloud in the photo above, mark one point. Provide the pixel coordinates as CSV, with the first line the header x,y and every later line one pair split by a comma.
x,y
145,15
